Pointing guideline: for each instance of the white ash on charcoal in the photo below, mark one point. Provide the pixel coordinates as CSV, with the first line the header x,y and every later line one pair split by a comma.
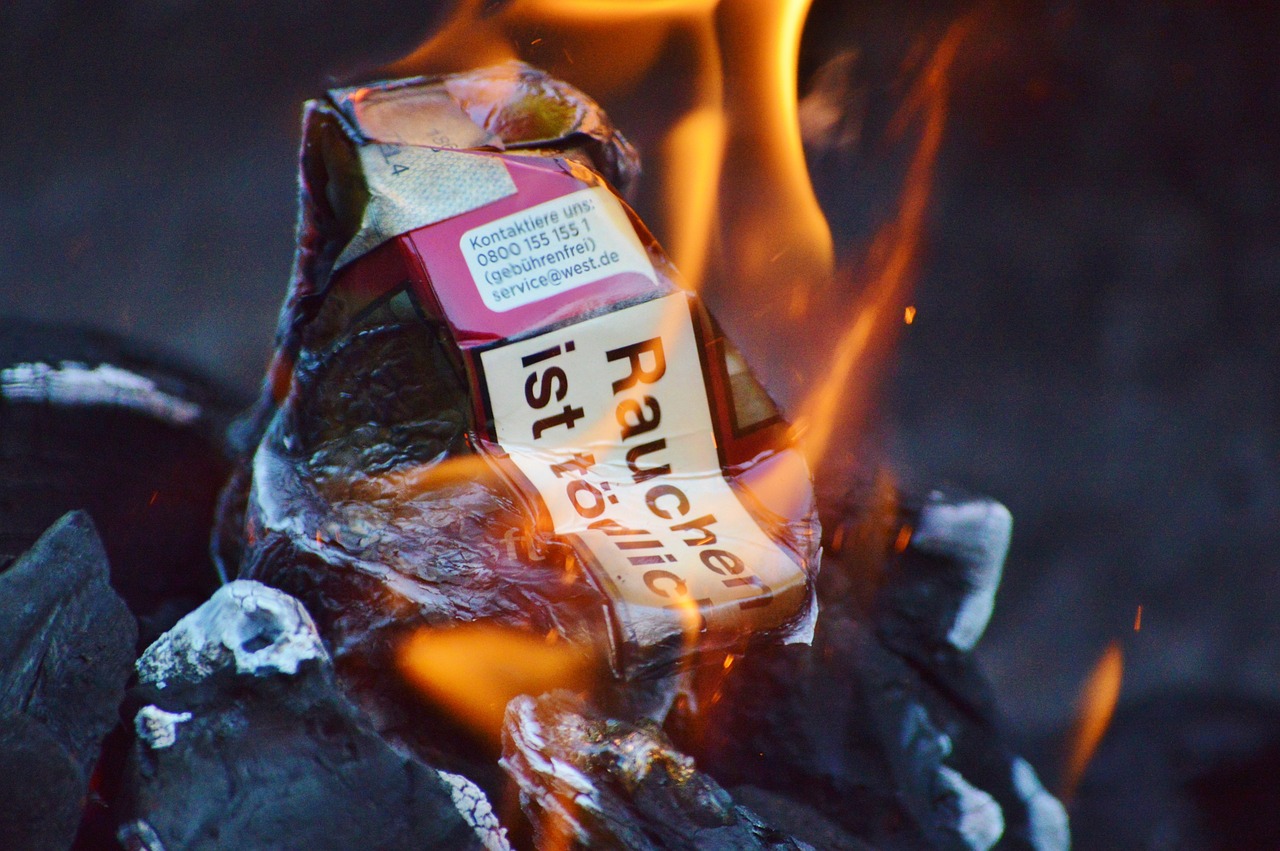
x,y
936,606
245,627
66,647
244,742
157,728
90,421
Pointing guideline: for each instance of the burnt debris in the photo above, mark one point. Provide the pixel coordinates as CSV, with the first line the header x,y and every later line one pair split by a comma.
x,y
66,649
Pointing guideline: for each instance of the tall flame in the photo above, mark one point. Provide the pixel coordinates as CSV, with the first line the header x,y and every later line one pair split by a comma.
x,y
895,250
773,216
720,76
732,64
732,180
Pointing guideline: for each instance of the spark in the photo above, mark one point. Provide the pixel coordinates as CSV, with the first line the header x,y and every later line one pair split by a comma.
x,y
837,540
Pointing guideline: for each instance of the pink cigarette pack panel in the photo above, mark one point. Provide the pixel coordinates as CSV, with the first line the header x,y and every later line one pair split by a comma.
x,y
561,247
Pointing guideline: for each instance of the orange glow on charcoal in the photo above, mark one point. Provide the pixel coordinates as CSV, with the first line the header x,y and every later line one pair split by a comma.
x,y
909,315
1098,700
473,671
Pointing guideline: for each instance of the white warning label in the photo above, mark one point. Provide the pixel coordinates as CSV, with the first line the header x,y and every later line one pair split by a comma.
x,y
568,242
609,420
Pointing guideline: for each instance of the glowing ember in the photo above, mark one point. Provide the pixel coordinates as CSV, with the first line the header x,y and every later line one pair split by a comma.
x,y
904,538
1097,703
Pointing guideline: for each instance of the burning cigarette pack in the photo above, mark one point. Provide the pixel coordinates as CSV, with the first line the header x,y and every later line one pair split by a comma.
x,y
481,334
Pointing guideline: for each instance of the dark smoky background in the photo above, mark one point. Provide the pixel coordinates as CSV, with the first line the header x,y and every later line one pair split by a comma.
x,y
1095,341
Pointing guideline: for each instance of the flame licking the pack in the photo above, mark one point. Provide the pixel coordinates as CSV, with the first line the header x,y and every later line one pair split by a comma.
x,y
733,194
495,664
731,198
889,271
730,69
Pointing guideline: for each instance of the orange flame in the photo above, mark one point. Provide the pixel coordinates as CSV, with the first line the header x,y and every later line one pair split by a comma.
x,y
777,222
1098,701
474,671
895,250
730,64
735,196
730,68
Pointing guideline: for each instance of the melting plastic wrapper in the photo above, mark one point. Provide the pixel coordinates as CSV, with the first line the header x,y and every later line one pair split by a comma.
x,y
494,400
